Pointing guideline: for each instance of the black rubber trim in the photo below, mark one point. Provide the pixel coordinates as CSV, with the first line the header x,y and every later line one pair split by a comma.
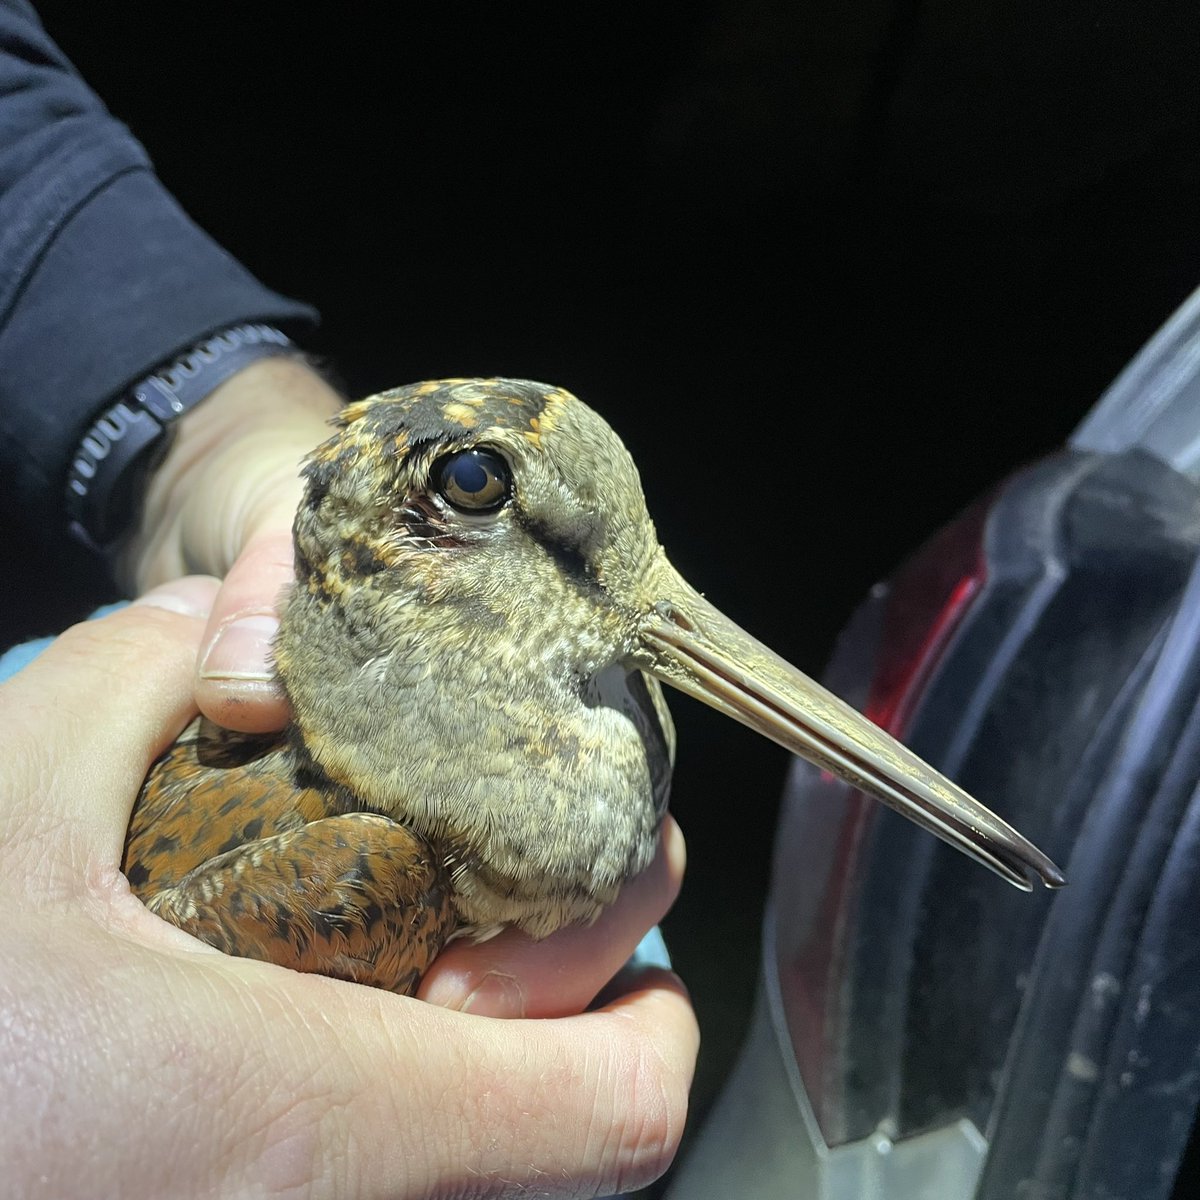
x,y
1062,1095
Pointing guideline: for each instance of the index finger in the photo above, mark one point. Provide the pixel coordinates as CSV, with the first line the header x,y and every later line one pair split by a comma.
x,y
512,975
236,685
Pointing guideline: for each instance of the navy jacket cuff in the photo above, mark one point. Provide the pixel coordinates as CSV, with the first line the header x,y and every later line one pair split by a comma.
x,y
116,280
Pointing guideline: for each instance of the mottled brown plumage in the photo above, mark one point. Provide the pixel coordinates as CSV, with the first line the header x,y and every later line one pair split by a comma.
x,y
232,841
472,651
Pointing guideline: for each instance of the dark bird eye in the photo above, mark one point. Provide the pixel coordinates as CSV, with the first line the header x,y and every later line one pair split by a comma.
x,y
474,480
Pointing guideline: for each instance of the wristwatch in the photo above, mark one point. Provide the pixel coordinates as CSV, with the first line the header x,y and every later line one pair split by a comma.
x,y
121,448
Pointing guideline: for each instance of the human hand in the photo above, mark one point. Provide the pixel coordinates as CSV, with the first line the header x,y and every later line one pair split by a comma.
x,y
135,1061
222,503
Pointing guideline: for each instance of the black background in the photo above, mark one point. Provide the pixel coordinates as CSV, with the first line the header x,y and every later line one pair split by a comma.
x,y
831,270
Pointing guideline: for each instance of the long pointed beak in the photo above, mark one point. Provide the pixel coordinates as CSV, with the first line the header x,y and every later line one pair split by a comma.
x,y
690,645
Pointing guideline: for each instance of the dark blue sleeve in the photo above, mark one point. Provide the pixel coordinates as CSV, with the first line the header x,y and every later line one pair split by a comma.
x,y
103,277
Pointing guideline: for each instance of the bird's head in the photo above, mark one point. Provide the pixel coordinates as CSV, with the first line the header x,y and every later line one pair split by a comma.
x,y
480,617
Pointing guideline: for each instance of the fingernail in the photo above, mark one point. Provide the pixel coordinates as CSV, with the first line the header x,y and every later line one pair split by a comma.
x,y
242,650
192,596
496,995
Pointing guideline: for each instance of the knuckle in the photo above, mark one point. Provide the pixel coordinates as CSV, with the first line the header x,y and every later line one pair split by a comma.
x,y
42,854
650,1113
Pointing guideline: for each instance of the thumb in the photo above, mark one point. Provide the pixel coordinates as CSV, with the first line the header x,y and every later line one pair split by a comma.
x,y
236,684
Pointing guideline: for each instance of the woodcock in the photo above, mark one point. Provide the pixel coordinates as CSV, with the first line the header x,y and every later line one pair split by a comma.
x,y
472,650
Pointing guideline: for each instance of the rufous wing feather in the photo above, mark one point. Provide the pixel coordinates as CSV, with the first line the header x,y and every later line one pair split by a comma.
x,y
228,843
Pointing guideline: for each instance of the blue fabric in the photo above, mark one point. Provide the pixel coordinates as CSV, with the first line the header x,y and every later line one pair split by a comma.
x,y
651,951
11,661
22,654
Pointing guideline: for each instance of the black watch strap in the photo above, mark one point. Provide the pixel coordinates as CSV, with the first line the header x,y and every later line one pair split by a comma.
x,y
113,461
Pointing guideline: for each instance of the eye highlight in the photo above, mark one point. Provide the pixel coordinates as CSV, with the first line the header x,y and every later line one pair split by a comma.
x,y
476,481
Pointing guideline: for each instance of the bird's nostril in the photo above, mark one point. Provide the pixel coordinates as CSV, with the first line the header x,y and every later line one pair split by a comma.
x,y
669,612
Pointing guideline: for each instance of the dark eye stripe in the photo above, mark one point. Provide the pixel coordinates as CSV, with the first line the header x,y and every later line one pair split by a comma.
x,y
473,480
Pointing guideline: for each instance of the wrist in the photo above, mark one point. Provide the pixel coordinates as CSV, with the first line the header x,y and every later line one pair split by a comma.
x,y
232,469
116,455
